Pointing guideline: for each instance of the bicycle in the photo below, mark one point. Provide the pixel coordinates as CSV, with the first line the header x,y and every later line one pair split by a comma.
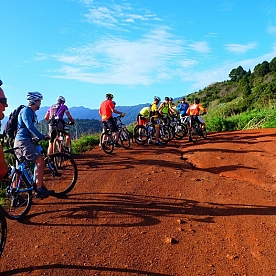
x,y
3,231
196,129
59,144
60,175
180,130
124,135
107,139
144,133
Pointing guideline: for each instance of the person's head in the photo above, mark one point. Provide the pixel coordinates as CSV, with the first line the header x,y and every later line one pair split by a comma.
x,y
183,100
60,100
3,102
109,96
167,99
34,99
156,99
114,103
196,101
170,99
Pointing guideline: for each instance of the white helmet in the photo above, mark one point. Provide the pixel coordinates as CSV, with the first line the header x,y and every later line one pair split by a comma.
x,y
34,96
61,99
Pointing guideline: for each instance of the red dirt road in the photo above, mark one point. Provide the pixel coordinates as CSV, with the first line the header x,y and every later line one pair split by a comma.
x,y
183,209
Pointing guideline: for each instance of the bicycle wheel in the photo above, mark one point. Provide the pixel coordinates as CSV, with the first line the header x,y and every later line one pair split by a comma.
x,y
57,146
181,131
164,134
124,138
107,143
140,134
17,199
204,133
3,231
60,173
194,134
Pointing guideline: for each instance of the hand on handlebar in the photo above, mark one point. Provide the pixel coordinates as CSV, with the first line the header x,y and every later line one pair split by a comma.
x,y
71,123
123,114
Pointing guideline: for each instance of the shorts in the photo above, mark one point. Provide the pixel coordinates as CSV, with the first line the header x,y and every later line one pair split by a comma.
x,y
155,121
142,120
110,124
27,150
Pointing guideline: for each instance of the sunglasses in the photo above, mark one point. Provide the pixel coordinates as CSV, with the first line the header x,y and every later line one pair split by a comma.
x,y
3,101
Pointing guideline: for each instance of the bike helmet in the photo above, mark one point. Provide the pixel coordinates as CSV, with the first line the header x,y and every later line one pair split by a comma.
x,y
109,96
1,82
34,96
183,99
157,98
196,101
167,99
61,99
171,99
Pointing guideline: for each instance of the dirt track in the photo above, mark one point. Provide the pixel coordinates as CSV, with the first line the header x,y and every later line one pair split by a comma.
x,y
184,209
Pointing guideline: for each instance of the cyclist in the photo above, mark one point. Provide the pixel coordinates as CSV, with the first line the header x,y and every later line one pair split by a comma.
x,y
54,116
194,110
23,140
182,107
3,105
107,107
154,118
166,110
143,116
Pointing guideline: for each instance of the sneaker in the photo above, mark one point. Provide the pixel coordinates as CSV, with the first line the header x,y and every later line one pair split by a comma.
x,y
158,143
190,139
43,193
117,145
18,201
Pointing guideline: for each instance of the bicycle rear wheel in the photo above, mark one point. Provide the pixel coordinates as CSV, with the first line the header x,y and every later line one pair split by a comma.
x,y
17,199
124,138
107,142
181,131
140,134
60,174
3,231
194,134
164,134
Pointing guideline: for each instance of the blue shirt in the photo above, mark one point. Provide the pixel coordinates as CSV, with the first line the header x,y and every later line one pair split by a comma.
x,y
182,108
25,126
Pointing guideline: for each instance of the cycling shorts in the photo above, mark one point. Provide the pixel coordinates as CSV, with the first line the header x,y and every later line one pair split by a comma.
x,y
110,124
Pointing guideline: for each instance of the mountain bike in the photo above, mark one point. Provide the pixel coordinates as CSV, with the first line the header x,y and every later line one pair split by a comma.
x,y
59,144
124,135
107,139
3,231
146,133
60,175
196,129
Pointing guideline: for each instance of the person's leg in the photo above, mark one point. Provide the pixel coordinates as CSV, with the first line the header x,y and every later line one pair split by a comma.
x,y
39,171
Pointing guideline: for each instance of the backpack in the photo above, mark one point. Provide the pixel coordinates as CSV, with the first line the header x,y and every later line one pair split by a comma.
x,y
11,125
54,111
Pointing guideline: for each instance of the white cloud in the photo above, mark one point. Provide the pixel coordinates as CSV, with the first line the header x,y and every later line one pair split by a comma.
x,y
200,47
271,29
240,48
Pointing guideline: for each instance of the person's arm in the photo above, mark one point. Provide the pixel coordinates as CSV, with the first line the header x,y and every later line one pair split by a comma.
x,y
27,118
3,164
202,108
47,116
69,116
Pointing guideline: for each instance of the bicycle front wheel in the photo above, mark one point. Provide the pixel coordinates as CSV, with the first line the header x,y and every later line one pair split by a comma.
x,y
140,134
124,138
3,231
17,198
107,142
60,173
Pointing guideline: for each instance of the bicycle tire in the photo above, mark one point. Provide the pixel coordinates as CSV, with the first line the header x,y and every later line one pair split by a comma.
x,y
106,142
140,134
124,138
16,204
181,131
164,134
204,133
3,230
60,174
194,134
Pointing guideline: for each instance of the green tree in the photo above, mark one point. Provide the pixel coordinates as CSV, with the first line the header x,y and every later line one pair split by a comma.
x,y
262,69
237,74
272,65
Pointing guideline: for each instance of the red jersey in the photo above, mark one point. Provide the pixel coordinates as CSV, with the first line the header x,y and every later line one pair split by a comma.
x,y
106,109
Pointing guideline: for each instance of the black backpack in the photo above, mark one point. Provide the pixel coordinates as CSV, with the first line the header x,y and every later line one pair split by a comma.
x,y
11,125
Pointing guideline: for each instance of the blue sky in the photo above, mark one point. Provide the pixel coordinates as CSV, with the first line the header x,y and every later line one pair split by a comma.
x,y
83,49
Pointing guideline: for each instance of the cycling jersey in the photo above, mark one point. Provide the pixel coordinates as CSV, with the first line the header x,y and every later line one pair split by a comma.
x,y
165,108
106,109
182,108
154,110
194,109
144,111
